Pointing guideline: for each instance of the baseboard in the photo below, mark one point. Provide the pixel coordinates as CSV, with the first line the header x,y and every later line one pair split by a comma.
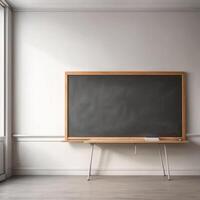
x,y
103,172
2,138
2,177
8,173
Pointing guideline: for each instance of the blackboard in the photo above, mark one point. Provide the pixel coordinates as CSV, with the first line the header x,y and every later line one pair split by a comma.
x,y
124,105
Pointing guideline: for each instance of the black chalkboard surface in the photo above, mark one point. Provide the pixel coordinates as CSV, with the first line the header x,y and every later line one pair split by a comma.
x,y
124,105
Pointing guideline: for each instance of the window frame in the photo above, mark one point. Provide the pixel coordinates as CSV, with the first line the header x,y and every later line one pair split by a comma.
x,y
6,137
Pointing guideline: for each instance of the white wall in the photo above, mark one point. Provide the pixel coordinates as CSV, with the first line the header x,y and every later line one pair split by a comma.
x,y
48,43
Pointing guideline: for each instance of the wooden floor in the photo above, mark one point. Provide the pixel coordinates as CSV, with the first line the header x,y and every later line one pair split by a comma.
x,y
101,187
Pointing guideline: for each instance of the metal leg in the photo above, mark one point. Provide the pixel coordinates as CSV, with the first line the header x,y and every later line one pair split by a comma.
x,y
135,149
167,162
90,166
161,159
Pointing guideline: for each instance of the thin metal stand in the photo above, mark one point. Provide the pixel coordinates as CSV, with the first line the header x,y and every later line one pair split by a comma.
x,y
135,149
90,166
161,159
167,162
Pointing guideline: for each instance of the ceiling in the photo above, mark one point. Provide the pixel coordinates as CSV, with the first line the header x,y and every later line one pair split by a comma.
x,y
136,5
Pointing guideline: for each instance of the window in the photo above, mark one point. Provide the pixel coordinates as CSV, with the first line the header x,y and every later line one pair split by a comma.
x,y
2,64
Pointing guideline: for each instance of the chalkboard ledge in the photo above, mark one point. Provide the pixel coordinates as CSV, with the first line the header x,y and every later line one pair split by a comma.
x,y
129,141
133,142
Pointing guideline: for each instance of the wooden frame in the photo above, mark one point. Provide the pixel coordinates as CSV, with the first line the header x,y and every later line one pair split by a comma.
x,y
127,139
